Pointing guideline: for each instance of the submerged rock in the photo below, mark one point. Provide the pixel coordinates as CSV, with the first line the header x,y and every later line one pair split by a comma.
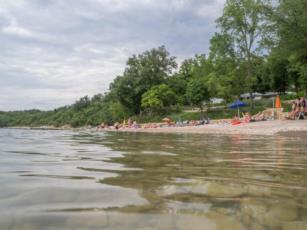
x,y
211,189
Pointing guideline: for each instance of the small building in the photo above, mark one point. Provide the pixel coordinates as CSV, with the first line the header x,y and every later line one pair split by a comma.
x,y
270,94
255,95
217,100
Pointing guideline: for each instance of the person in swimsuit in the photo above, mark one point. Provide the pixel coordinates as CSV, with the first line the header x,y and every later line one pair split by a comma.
x,y
302,107
303,104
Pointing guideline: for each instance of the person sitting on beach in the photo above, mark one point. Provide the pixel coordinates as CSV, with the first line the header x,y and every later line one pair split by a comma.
x,y
116,126
292,115
100,127
302,107
150,126
193,123
204,121
246,117
258,117
135,125
129,122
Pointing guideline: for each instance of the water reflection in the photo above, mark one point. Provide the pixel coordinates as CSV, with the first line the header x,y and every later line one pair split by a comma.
x,y
69,180
257,183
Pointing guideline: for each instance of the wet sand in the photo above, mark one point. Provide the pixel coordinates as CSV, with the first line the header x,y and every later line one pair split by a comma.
x,y
253,128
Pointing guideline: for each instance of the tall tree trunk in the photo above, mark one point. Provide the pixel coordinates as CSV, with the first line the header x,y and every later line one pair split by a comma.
x,y
250,81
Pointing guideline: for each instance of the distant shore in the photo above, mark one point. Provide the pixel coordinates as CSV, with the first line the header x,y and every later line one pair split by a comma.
x,y
253,128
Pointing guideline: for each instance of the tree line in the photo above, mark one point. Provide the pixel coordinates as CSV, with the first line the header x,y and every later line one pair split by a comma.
x,y
259,46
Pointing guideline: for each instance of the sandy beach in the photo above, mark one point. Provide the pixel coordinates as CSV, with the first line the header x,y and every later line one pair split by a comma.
x,y
253,128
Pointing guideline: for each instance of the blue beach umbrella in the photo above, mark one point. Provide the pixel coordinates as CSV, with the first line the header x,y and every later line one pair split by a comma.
x,y
236,105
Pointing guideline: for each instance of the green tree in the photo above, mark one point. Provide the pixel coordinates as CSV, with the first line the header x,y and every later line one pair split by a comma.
x,y
291,22
279,74
197,92
143,71
244,24
225,74
82,103
158,99
179,85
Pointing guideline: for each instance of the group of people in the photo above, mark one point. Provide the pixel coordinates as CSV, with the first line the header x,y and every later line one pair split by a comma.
x,y
299,109
170,123
246,118
125,124
203,121
133,124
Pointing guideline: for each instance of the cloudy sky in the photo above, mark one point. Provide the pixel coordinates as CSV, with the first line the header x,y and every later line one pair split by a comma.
x,y
52,52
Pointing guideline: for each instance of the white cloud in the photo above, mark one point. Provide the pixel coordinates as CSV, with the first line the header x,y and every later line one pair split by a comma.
x,y
16,30
54,52
211,10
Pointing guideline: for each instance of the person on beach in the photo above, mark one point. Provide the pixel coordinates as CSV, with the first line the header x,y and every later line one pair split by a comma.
x,y
293,110
258,117
205,120
298,105
129,122
293,114
116,126
303,104
135,125
302,108
101,126
246,117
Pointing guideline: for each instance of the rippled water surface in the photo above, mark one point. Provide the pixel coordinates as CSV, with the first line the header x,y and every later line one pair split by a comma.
x,y
75,180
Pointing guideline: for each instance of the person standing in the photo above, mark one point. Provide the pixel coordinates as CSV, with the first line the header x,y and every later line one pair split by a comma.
x,y
302,108
303,104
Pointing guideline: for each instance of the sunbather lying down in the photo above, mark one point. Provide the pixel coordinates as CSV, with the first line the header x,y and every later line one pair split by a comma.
x,y
246,118
258,117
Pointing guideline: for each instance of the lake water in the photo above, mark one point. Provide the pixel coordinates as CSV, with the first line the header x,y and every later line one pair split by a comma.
x,y
75,180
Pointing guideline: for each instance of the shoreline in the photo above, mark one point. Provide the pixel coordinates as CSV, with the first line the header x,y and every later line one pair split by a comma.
x,y
266,128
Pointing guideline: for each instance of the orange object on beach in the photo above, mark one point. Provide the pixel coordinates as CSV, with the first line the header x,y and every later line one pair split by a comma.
x,y
236,122
277,102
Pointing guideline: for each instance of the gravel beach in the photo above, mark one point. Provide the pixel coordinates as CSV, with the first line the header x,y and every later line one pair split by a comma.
x,y
253,128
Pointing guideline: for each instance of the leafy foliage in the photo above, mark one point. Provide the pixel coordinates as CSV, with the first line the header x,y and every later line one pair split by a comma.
x,y
197,92
143,72
159,98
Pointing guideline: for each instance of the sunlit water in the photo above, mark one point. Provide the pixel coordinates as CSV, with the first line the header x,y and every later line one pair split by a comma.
x,y
73,180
